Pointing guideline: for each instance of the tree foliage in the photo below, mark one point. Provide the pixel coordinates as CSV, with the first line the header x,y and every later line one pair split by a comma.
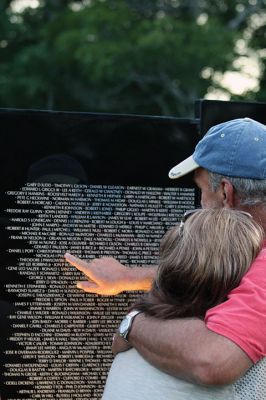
x,y
141,56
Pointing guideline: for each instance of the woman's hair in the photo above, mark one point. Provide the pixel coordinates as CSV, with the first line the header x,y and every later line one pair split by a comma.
x,y
201,263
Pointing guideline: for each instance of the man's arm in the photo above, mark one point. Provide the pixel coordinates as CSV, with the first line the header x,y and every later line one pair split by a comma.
x,y
187,349
107,276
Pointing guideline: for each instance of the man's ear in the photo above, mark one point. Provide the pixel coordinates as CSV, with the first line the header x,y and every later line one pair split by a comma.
x,y
229,196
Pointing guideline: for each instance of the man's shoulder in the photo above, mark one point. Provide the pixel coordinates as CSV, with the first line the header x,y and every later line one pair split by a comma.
x,y
262,253
261,256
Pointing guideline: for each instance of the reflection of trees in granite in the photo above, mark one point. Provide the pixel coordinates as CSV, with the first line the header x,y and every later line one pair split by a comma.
x,y
60,168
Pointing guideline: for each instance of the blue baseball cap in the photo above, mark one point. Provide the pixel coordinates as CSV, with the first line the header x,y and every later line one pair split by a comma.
x,y
233,148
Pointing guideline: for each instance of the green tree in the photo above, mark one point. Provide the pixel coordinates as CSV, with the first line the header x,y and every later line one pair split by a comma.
x,y
144,57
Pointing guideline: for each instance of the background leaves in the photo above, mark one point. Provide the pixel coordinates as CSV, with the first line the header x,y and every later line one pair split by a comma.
x,y
143,57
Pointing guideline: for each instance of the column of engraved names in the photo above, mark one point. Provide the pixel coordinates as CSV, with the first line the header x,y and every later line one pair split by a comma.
x,y
64,333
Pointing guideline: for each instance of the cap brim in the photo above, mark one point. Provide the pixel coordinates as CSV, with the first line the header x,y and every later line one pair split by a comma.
x,y
183,168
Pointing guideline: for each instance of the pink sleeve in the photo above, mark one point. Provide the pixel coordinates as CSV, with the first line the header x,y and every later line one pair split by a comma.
x,y
242,318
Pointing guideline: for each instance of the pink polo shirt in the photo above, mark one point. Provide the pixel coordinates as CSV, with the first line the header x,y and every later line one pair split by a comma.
x,y
242,318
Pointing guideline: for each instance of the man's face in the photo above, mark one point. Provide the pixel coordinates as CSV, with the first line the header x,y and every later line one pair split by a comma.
x,y
209,198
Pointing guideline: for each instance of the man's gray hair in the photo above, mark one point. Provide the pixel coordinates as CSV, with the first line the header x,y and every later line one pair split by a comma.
x,y
250,191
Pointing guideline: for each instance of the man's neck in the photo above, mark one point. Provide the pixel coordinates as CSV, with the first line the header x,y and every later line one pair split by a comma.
x,y
258,212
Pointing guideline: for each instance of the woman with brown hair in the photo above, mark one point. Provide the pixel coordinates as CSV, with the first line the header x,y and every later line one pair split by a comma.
x,y
201,261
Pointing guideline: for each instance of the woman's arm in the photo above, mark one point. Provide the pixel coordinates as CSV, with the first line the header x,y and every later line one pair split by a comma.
x,y
107,276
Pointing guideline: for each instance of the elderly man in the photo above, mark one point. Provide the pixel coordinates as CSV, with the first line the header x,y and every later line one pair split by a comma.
x,y
230,170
